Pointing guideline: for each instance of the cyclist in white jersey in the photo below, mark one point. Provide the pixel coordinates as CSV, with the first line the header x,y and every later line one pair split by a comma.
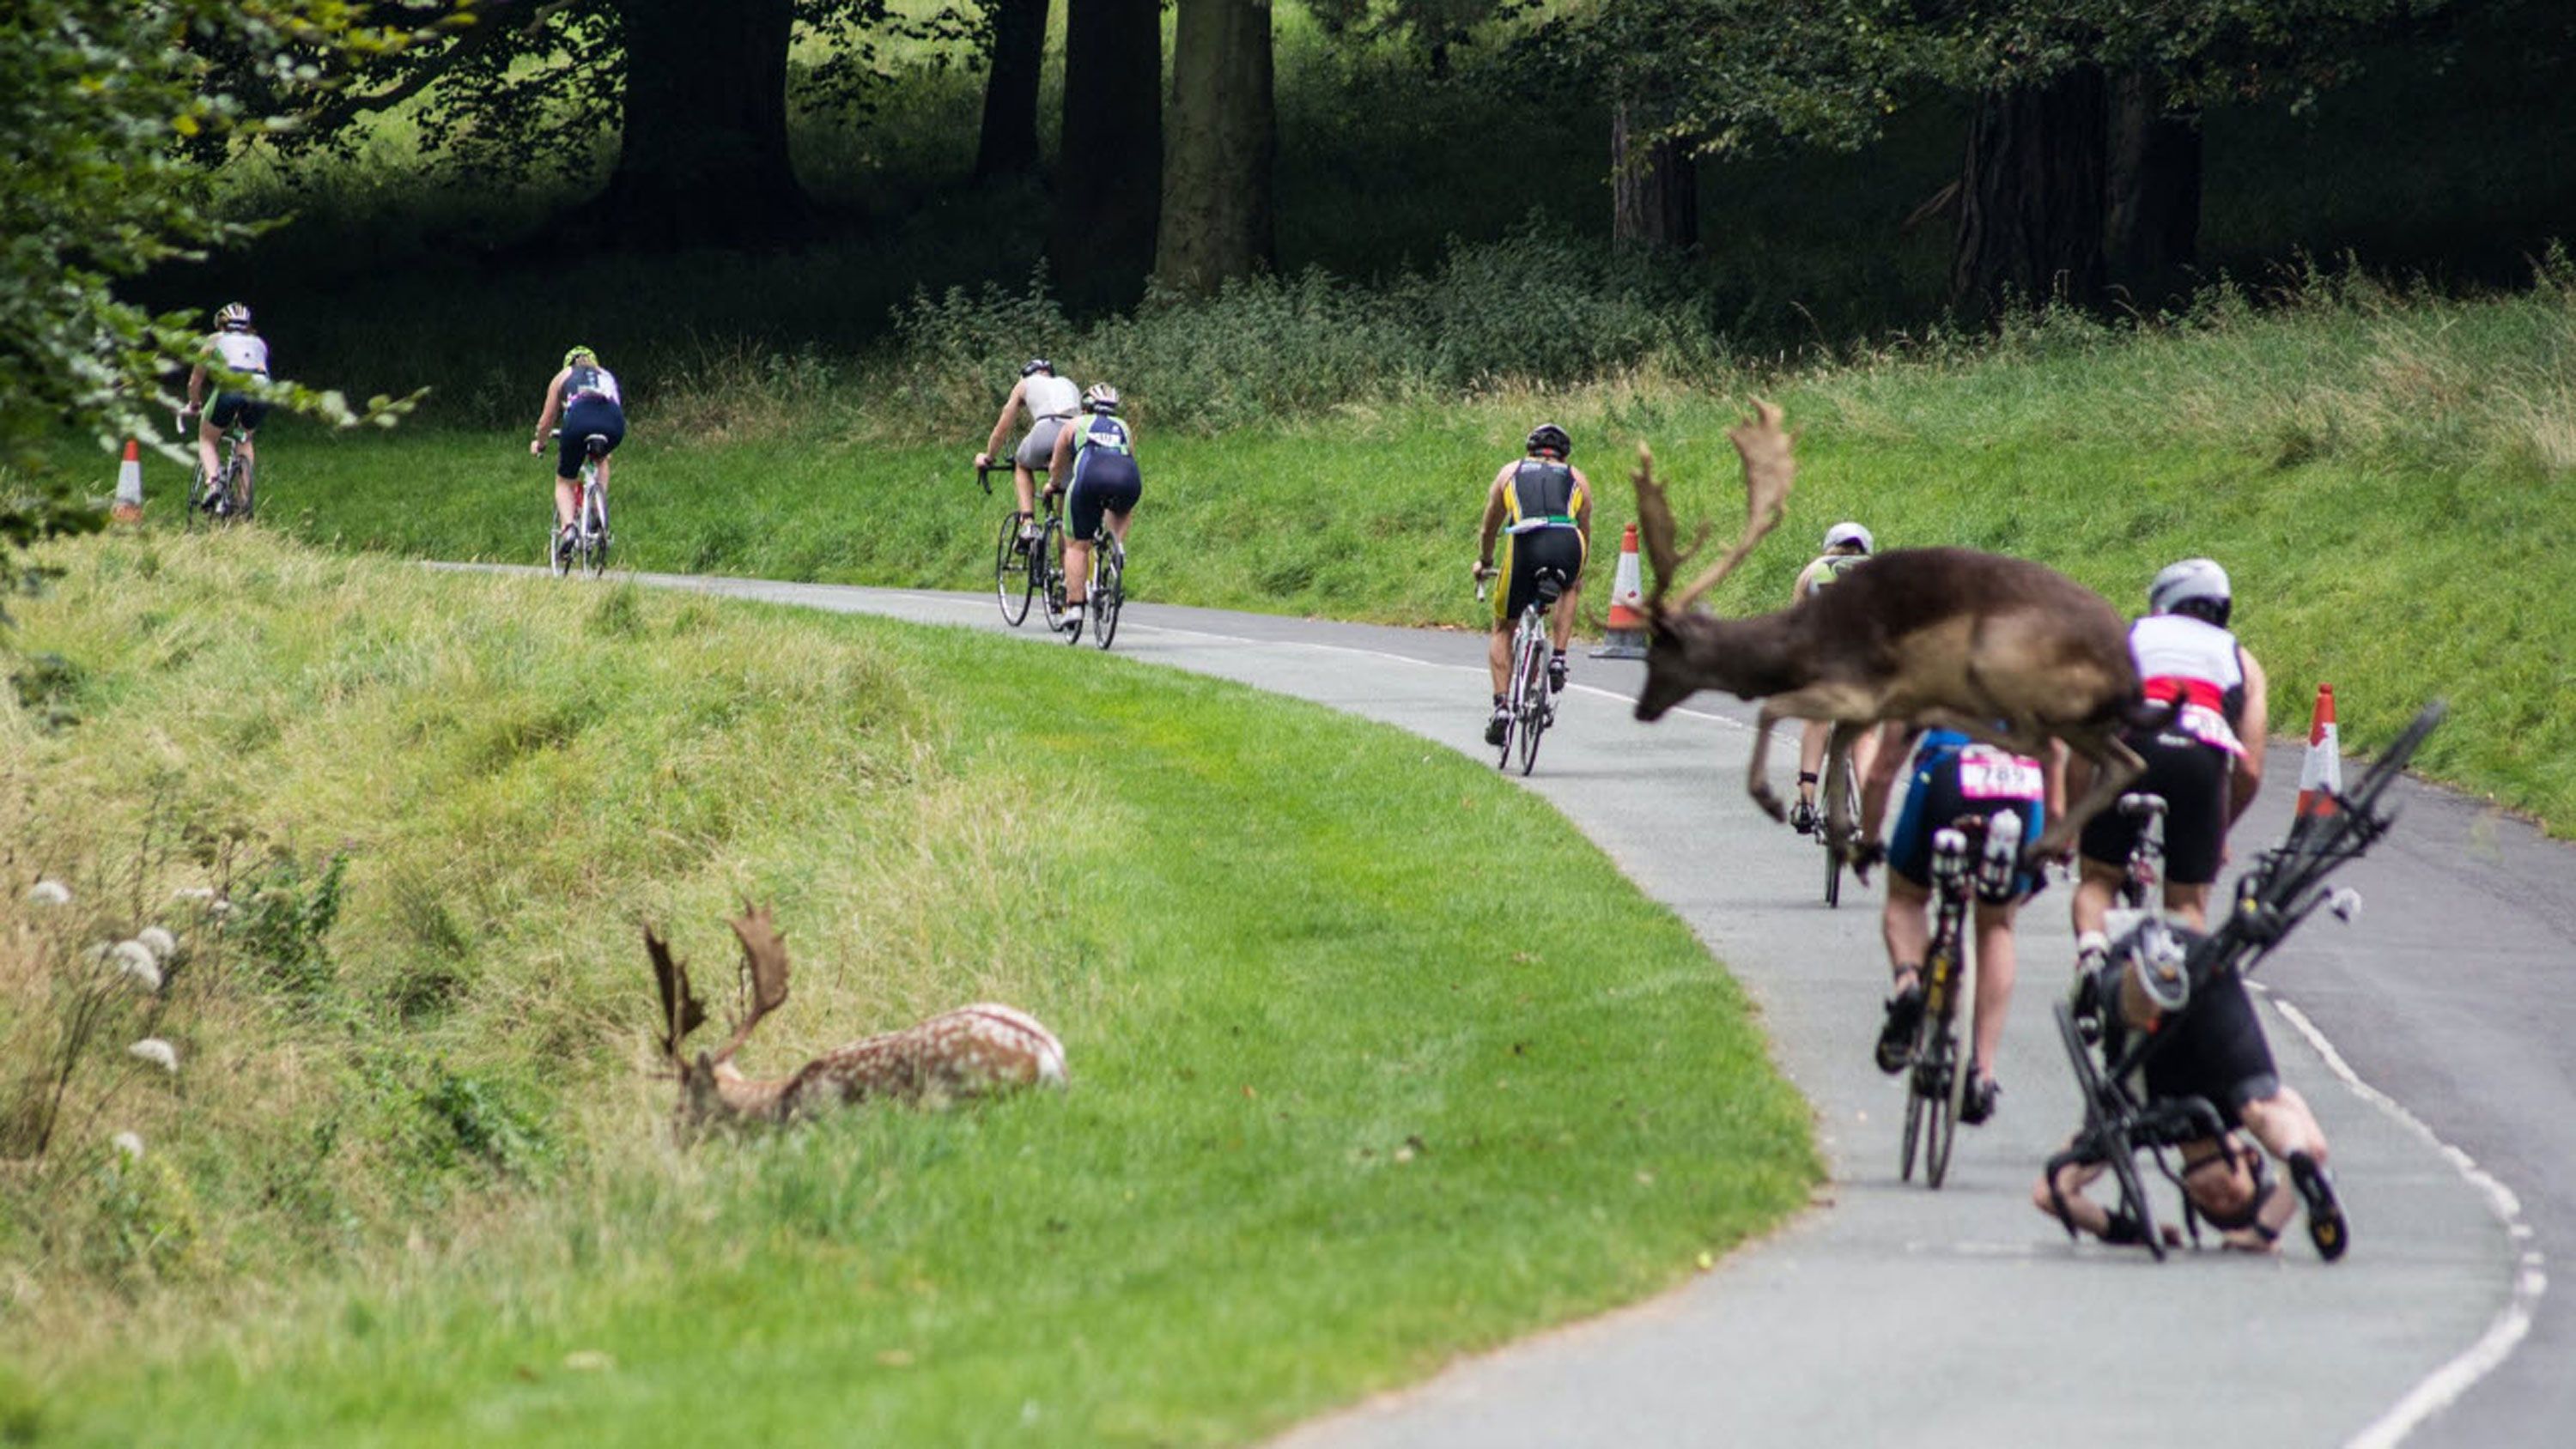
x,y
235,348
1051,402
1847,546
584,396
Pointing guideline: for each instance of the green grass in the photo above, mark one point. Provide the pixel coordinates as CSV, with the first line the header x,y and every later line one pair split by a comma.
x,y
1347,1098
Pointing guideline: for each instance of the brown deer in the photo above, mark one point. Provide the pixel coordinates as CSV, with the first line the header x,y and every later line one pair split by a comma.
x,y
2007,651
973,1051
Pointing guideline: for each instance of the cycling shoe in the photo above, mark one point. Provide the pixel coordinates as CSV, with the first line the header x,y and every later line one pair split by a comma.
x,y
1977,1104
1802,818
2326,1227
1896,1038
1556,674
1494,727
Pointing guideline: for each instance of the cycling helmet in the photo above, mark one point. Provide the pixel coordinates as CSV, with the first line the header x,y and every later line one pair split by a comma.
x,y
1549,438
1849,533
1101,398
1037,365
233,318
576,353
2196,587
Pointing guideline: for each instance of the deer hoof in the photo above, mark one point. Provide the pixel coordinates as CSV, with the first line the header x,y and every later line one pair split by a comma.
x,y
1770,804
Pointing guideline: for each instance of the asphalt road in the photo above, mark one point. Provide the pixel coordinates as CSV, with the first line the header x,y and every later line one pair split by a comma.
x,y
2432,1038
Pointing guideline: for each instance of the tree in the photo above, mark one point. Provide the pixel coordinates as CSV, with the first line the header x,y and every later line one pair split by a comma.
x,y
1108,192
1015,39
1216,219
1654,185
2030,194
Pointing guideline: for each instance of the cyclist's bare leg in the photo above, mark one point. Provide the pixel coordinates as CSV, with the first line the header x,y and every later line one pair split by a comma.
x,y
604,460
1905,922
1077,571
1811,758
2095,886
2283,1124
2188,904
1025,484
208,436
1498,655
1995,966
1117,526
2086,1214
563,502
1560,627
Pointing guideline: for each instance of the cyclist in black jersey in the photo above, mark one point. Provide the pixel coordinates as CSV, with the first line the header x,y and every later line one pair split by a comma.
x,y
1541,508
582,396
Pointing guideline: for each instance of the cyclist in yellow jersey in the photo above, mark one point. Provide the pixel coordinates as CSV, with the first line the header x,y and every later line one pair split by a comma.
x,y
1847,545
1541,508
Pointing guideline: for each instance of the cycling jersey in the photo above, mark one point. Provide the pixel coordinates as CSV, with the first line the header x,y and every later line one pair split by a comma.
x,y
240,352
1825,569
1050,397
2197,662
1104,432
588,381
1542,494
1104,473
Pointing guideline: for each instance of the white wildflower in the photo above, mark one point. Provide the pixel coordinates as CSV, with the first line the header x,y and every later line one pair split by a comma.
x,y
135,959
160,942
193,893
49,893
219,908
128,1143
156,1051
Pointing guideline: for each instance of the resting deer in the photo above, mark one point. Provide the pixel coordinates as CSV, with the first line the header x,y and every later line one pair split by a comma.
x,y
973,1051
2007,651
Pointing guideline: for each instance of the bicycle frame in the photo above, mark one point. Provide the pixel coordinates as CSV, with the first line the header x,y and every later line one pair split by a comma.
x,y
1936,1070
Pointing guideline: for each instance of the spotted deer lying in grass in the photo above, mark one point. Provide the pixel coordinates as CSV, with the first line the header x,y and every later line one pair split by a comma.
x,y
974,1051
2007,651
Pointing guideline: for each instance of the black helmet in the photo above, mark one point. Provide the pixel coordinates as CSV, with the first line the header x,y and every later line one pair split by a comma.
x,y
1549,438
1037,365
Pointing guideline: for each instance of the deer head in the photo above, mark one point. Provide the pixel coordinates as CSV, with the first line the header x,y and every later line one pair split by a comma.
x,y
1768,470
711,1084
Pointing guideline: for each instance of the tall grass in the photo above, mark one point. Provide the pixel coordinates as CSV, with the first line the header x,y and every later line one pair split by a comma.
x,y
1344,1102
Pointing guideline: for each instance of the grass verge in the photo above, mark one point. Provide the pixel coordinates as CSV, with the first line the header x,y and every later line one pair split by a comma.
x,y
1347,1101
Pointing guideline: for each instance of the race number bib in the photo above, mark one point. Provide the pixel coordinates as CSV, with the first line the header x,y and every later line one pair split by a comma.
x,y
1987,773
2208,726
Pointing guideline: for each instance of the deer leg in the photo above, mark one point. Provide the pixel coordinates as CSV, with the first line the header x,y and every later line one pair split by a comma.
x,y
1757,782
2114,766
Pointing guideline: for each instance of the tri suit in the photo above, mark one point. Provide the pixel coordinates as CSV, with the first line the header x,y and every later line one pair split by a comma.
x,y
1542,529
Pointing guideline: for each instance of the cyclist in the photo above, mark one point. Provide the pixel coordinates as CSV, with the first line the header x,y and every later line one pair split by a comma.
x,y
1098,458
2207,763
1542,508
236,349
1846,544
1051,402
583,396
1953,776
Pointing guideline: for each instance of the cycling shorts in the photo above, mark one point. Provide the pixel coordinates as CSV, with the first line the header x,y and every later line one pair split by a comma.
x,y
233,408
1524,555
2193,778
1992,782
2215,1049
587,416
1102,483
1037,450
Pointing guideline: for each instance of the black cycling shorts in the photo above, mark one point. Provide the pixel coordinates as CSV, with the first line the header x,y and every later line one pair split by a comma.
x,y
2193,777
1103,482
2215,1049
585,417
1524,555
237,408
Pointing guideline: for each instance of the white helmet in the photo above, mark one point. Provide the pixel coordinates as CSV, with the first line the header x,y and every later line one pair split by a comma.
x,y
1101,398
1851,533
2194,581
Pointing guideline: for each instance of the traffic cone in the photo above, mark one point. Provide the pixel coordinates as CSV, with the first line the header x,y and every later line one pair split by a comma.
x,y
129,486
2321,775
1627,606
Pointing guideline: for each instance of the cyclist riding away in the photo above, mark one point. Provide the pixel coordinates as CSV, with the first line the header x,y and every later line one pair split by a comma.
x,y
236,349
584,397
1953,776
1051,402
1542,508
1846,544
1098,455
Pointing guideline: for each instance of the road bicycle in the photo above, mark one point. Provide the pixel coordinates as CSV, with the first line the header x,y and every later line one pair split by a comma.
x,y
1837,766
228,495
1019,575
2147,856
1936,1079
1108,585
2109,1052
1527,705
585,544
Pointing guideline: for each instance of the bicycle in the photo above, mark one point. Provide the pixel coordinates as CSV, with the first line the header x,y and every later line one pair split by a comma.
x,y
1936,1081
1837,767
2147,856
228,495
2285,887
1525,695
1015,580
1108,585
585,543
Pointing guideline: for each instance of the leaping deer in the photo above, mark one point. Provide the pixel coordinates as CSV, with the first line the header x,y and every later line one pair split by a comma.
x,y
973,1051
2007,651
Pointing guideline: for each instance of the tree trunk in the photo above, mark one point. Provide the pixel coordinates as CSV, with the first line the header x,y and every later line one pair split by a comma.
x,y
1654,189
1109,178
1217,155
1008,143
2151,223
2030,201
703,160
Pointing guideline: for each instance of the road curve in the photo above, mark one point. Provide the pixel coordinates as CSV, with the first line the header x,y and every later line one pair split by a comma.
x,y
2431,1038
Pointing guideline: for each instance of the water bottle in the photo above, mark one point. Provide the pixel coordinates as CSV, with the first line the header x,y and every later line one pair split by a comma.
x,y
2001,859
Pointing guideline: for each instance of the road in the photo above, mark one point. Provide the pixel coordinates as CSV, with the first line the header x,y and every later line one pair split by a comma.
x,y
2431,1038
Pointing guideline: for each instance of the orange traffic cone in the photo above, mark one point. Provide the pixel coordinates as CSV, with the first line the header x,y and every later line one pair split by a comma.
x,y
2321,775
1627,606
129,486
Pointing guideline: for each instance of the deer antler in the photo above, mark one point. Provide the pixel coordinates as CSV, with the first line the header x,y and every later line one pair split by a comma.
x,y
1768,470
682,1012
764,956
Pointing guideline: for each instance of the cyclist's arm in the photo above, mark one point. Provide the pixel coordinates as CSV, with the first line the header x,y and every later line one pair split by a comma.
x,y
1493,523
196,386
1002,424
553,410
2056,772
1806,579
2253,729
1583,507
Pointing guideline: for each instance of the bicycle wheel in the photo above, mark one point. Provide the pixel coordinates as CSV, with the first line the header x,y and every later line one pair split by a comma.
x,y
244,500
1915,1098
1954,1088
594,531
1108,591
1013,582
1833,857
195,517
1513,704
1531,670
1046,570
558,547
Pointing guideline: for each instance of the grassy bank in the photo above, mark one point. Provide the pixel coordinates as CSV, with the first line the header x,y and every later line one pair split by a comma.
x,y
1344,1102
2388,476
